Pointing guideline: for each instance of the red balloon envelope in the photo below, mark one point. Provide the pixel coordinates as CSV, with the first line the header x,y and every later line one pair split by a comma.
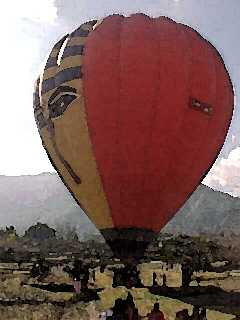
x,y
133,113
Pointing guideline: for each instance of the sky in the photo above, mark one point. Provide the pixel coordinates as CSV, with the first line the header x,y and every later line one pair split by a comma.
x,y
29,28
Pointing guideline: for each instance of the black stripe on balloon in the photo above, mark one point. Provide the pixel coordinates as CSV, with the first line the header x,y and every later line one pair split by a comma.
x,y
61,77
80,33
68,75
73,51
48,85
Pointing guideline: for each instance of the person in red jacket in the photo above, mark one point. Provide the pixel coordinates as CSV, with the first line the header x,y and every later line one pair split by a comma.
x,y
156,313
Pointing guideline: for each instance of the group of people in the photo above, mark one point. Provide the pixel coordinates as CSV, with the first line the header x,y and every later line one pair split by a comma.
x,y
126,310
128,276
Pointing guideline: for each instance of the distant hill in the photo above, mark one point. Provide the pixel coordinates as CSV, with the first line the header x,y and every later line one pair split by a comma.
x,y
25,200
207,211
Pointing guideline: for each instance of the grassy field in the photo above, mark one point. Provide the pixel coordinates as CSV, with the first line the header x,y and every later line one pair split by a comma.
x,y
13,287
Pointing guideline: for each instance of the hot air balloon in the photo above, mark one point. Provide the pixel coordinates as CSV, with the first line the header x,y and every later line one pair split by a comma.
x,y
133,112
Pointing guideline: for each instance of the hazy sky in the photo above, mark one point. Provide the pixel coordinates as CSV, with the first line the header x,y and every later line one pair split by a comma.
x,y
31,27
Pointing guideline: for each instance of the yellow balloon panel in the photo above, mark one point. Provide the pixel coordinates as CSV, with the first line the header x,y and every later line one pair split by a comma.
x,y
65,134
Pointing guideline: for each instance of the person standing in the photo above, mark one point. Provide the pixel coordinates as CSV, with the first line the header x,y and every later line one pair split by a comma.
x,y
131,310
182,315
203,314
76,274
156,313
154,280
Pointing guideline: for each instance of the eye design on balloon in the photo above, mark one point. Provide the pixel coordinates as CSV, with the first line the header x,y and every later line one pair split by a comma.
x,y
57,108
60,100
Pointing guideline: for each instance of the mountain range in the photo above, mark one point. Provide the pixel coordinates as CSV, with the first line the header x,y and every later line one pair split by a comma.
x,y
25,200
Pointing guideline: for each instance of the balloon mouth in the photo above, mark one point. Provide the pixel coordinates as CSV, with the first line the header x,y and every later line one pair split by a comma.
x,y
128,244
